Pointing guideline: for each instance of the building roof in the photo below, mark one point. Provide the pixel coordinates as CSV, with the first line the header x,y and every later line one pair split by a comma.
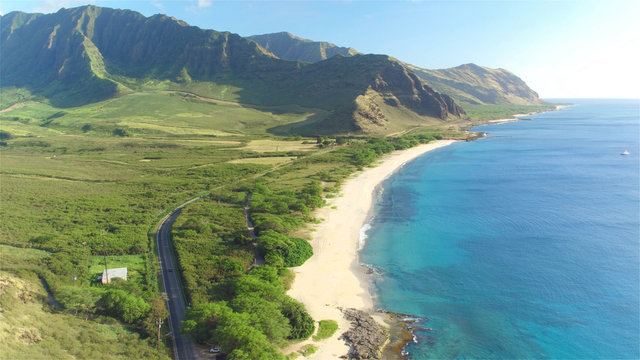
x,y
117,273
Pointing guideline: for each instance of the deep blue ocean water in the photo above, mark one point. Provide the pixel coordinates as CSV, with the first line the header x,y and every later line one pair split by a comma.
x,y
523,244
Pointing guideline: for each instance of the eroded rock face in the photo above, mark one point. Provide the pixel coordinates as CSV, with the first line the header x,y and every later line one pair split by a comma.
x,y
366,337
475,84
408,89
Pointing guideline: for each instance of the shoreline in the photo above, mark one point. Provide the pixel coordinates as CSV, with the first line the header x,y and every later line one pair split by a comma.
x,y
516,117
333,278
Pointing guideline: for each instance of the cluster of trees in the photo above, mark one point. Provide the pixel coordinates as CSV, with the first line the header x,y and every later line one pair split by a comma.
x,y
284,211
363,154
249,315
120,300
258,317
283,251
212,247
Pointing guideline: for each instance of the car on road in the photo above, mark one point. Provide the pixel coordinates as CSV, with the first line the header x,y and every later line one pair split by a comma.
x,y
170,269
215,349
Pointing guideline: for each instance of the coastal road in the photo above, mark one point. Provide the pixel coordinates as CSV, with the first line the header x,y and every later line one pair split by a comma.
x,y
183,347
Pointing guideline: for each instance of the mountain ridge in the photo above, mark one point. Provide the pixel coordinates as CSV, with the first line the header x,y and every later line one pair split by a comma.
x,y
86,54
290,47
467,83
477,84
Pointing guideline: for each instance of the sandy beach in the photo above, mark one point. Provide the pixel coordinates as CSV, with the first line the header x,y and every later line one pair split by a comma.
x,y
333,277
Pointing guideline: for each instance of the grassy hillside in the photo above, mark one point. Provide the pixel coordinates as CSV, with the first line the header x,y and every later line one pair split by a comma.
x,y
30,329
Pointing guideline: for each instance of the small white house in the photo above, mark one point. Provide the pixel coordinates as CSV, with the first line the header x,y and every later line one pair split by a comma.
x,y
117,273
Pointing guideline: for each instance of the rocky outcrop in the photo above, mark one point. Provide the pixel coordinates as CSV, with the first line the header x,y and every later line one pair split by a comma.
x,y
366,337
400,84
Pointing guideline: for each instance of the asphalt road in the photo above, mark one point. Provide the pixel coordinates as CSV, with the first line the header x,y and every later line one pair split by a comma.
x,y
183,347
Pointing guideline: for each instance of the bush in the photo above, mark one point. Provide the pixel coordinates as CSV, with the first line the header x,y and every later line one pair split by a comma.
x,y
276,247
5,135
217,323
302,325
326,329
297,254
120,132
125,306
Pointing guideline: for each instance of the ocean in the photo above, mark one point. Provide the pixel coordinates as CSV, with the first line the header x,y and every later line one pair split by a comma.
x,y
523,244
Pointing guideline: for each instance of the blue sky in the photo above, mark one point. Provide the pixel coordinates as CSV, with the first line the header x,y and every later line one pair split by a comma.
x,y
561,48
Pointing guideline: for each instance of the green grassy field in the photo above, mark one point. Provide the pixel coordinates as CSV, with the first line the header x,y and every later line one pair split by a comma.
x,y
159,113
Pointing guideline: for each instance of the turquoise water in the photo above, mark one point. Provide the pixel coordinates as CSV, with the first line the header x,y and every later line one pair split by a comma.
x,y
523,244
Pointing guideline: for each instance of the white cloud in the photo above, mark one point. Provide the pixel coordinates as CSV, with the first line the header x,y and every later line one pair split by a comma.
x,y
204,3
157,4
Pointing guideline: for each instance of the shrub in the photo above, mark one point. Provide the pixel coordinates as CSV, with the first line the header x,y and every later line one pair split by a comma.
x,y
326,329
125,306
5,135
302,325
276,246
120,132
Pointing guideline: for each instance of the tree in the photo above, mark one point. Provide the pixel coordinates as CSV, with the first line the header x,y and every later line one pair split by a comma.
x,y
79,299
5,135
124,305
302,325
157,316
297,253
276,246
202,320
265,316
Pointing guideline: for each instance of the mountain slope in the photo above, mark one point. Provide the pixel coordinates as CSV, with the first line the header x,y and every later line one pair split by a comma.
x,y
290,47
375,87
83,55
83,49
475,84
468,83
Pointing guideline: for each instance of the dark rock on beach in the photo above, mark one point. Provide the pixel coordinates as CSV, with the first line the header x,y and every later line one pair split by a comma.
x,y
366,337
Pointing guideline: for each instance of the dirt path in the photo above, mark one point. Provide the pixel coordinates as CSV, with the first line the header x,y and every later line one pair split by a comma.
x,y
14,107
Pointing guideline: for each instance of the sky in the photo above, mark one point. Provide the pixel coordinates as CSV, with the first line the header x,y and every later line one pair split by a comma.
x,y
560,48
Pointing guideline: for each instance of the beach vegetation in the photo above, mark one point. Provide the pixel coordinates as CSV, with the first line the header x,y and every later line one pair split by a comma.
x,y
283,250
308,349
258,302
326,329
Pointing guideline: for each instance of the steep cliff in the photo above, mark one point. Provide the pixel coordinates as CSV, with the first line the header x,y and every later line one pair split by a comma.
x,y
475,84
